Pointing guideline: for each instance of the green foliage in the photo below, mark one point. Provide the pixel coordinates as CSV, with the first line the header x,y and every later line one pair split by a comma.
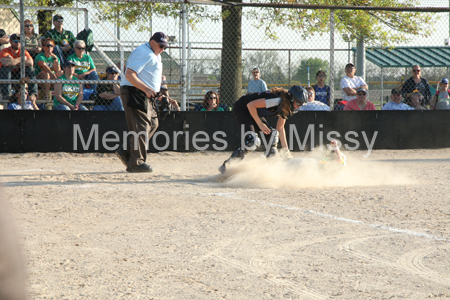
x,y
375,27
315,64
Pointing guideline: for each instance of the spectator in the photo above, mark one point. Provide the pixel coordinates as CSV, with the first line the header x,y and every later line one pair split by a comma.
x,y
85,68
10,67
416,82
32,41
256,85
211,102
322,91
64,39
441,100
4,39
164,93
351,83
361,102
109,99
47,66
416,100
396,102
312,104
68,96
15,102
140,86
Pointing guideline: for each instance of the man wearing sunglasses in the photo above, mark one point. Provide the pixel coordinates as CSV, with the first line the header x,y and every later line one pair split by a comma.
x,y
10,67
256,85
416,82
138,90
64,39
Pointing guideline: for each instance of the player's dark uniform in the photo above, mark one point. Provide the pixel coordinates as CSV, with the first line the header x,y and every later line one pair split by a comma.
x,y
273,109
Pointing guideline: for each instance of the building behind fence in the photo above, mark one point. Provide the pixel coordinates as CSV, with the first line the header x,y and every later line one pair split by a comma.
x,y
290,59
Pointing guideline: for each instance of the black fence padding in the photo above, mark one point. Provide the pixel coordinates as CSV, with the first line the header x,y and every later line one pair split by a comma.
x,y
62,131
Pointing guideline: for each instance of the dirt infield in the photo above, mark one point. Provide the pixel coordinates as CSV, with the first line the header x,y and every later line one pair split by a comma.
x,y
377,230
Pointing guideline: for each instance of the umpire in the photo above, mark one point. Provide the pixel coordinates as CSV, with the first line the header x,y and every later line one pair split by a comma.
x,y
142,82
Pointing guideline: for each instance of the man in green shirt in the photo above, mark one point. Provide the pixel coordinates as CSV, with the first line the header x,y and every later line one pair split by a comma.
x,y
64,39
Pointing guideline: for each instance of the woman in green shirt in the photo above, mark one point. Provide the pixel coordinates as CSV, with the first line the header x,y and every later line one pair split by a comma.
x,y
68,96
85,69
211,102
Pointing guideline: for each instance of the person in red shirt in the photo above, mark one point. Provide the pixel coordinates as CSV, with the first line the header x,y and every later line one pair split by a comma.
x,y
361,102
10,67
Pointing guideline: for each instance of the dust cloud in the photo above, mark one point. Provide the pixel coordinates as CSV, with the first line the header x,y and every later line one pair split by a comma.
x,y
309,172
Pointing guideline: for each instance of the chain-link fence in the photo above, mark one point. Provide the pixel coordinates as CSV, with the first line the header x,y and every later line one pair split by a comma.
x,y
220,47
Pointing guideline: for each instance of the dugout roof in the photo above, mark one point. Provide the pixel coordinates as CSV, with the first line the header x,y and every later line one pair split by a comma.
x,y
408,56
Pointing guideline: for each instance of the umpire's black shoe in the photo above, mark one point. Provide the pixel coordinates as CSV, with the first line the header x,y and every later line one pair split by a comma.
x,y
123,156
140,168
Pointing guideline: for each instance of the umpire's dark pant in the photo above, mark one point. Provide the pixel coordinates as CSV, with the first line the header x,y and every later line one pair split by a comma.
x,y
139,123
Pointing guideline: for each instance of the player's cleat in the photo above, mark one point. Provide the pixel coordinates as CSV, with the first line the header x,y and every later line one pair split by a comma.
x,y
140,168
123,156
272,152
238,153
223,167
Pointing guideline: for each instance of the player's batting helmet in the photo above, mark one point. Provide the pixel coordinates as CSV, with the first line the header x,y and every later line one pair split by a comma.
x,y
298,94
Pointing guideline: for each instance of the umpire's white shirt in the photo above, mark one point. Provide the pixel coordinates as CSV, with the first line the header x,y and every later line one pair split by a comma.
x,y
147,66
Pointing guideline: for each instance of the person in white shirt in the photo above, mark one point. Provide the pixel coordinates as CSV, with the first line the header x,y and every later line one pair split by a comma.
x,y
396,102
351,83
312,104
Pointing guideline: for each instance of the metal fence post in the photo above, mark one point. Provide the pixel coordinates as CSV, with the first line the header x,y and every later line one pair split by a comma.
x,y
183,58
331,59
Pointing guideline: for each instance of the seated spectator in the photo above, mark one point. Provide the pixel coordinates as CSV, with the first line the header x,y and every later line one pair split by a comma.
x,y
351,83
361,102
15,102
109,99
312,104
256,85
4,39
416,82
396,102
164,93
10,67
47,66
64,39
211,102
85,68
68,96
32,41
416,100
441,100
322,91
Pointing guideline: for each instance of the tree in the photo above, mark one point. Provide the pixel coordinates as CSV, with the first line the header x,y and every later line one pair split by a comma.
x,y
375,27
270,65
231,64
314,64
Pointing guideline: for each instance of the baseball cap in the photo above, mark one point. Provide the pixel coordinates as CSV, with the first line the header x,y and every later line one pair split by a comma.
x,y
361,90
57,17
14,37
69,63
349,65
444,80
112,69
395,91
160,38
